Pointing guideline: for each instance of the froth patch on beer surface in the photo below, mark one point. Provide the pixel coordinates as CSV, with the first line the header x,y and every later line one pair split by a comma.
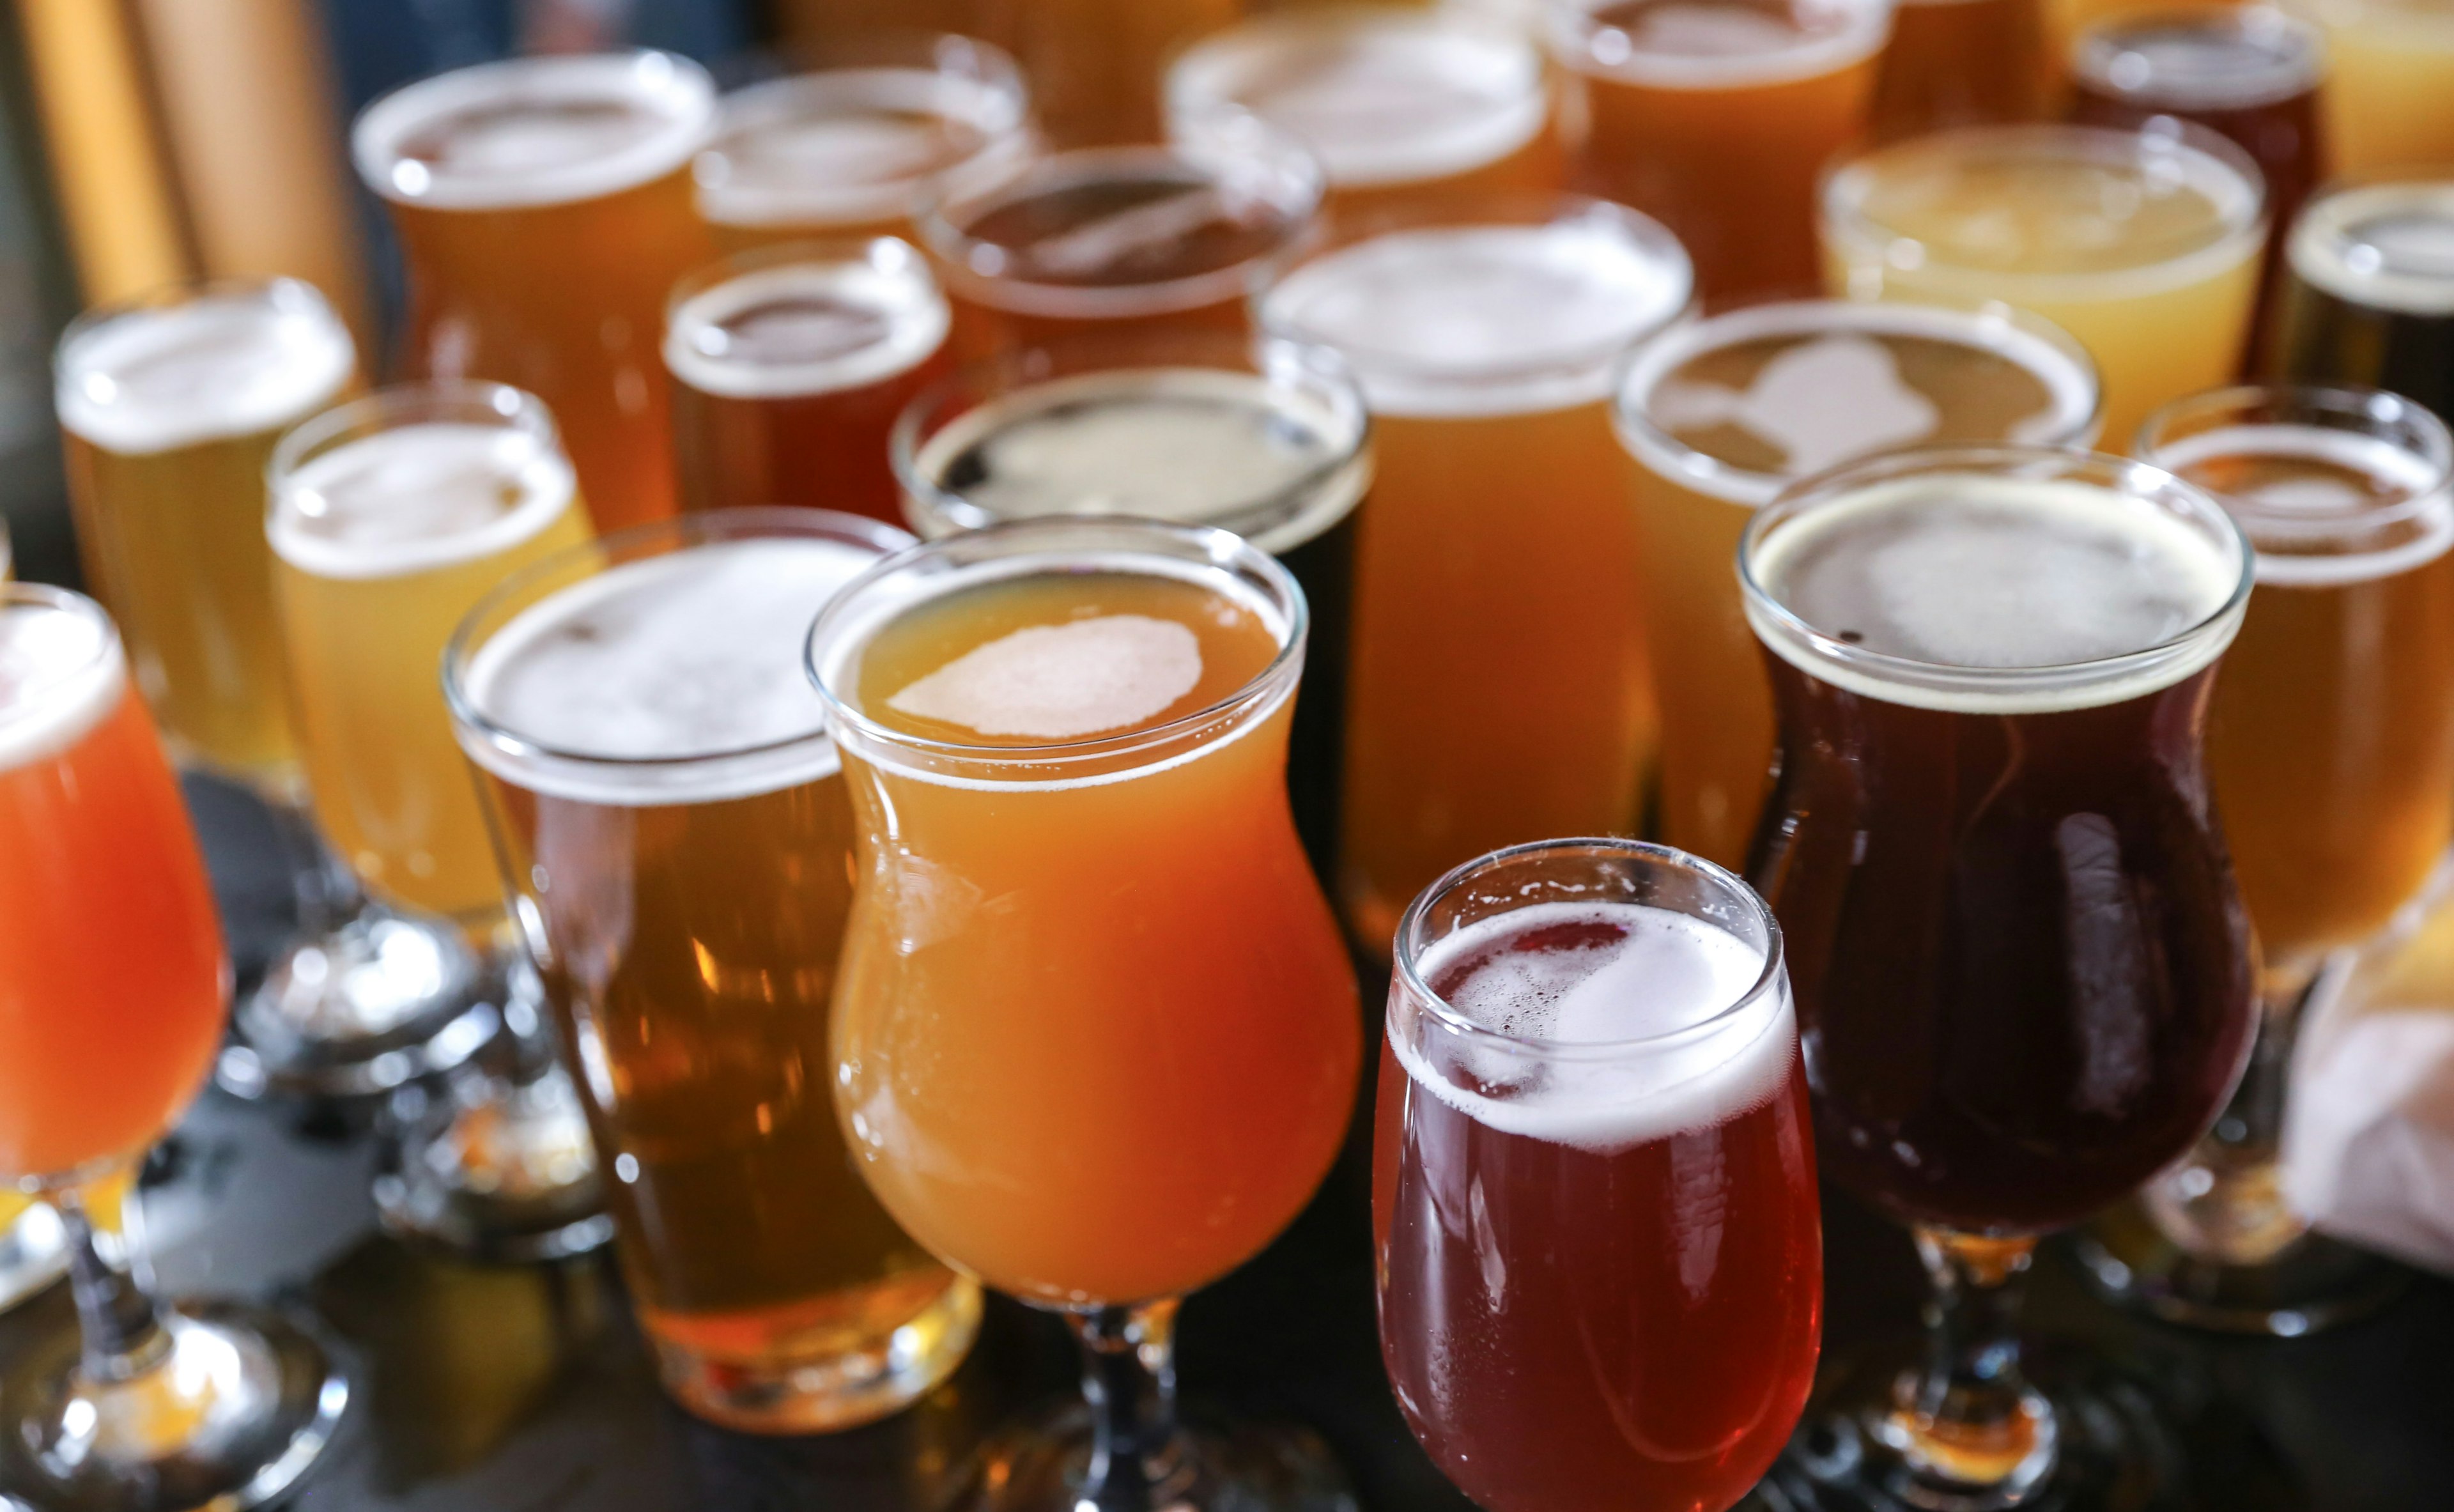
x,y
417,498
1819,403
60,675
152,379
1061,682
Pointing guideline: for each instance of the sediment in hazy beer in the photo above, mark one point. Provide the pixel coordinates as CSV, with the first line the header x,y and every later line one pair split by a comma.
x,y
1717,118
683,865
544,207
2391,71
2368,293
2143,244
171,406
391,517
1541,1176
2022,971
789,368
1500,690
1096,1033
1266,439
1122,238
856,147
1959,62
1721,415
1398,105
2332,736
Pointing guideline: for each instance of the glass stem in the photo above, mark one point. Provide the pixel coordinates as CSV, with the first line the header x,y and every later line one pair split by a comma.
x,y
1129,1380
1969,1419
123,1331
327,892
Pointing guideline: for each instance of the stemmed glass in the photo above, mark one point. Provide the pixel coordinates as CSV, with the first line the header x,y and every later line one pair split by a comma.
x,y
1096,1035
1599,1260
112,984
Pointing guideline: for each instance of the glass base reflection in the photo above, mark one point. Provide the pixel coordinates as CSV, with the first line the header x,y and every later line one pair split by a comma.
x,y
835,1373
2310,1285
1045,1465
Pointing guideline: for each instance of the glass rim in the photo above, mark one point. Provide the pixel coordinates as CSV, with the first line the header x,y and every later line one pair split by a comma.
x,y
2321,234
1221,549
917,319
2095,52
16,594
693,530
821,248
1570,31
2141,481
929,505
1407,948
179,293
399,404
1656,358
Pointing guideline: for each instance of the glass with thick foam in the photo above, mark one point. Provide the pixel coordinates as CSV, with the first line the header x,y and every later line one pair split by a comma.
x,y
790,364
2022,971
2143,244
2368,295
544,207
1721,415
671,824
1500,692
1591,1063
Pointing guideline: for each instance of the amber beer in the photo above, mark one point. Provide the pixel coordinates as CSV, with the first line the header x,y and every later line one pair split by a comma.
x,y
544,207
1719,416
1716,119
1500,690
2369,295
857,146
790,364
1398,105
682,863
1095,66
1135,238
1959,63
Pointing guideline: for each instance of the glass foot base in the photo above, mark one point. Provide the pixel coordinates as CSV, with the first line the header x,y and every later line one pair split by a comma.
x,y
372,1005
494,1168
234,1412
2314,1283
898,1342
1039,1467
34,1251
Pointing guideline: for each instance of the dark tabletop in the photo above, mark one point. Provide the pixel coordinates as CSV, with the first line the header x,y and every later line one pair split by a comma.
x,y
520,1389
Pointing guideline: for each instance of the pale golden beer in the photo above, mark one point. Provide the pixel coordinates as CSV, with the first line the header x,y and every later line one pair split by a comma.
x,y
1398,105
673,825
855,146
544,207
1720,415
171,404
2143,244
390,516
1500,692
2390,77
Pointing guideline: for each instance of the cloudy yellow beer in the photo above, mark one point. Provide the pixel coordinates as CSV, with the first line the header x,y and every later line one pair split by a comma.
x,y
2391,75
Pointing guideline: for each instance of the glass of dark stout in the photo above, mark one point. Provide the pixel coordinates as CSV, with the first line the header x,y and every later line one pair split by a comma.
x,y
2023,970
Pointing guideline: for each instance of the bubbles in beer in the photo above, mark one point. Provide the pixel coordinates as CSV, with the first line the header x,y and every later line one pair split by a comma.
x,y
808,326
61,673
153,379
418,498
1061,682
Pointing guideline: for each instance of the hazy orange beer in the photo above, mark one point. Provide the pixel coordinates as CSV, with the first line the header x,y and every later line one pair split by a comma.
x,y
544,206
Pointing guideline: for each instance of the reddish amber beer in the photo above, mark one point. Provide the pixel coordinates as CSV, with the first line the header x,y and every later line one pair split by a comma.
x,y
1600,1263
789,368
544,206
1959,63
1716,119
1095,66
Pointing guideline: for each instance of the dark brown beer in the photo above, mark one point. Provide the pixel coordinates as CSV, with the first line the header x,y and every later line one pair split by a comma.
x,y
2369,295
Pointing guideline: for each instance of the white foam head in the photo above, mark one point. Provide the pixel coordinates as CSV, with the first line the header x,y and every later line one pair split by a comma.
x,y
228,361
1932,590
1714,44
62,673
417,497
535,131
2319,531
1660,995
2215,60
806,326
2386,245
1493,319
1380,96
667,680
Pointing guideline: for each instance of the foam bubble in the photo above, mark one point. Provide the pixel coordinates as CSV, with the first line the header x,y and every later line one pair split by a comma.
x,y
223,364
1061,682
2310,526
417,498
1641,973
853,145
807,328
61,673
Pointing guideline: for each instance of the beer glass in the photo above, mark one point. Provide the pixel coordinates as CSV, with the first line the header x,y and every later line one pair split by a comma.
x,y
544,207
790,364
1267,439
1141,236
1095,66
672,829
2332,749
1096,1036
1499,691
1600,1263
1399,106
2143,244
2392,64
390,517
112,984
1716,118
1719,416
170,405
857,145
2368,290
1959,63
2022,972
